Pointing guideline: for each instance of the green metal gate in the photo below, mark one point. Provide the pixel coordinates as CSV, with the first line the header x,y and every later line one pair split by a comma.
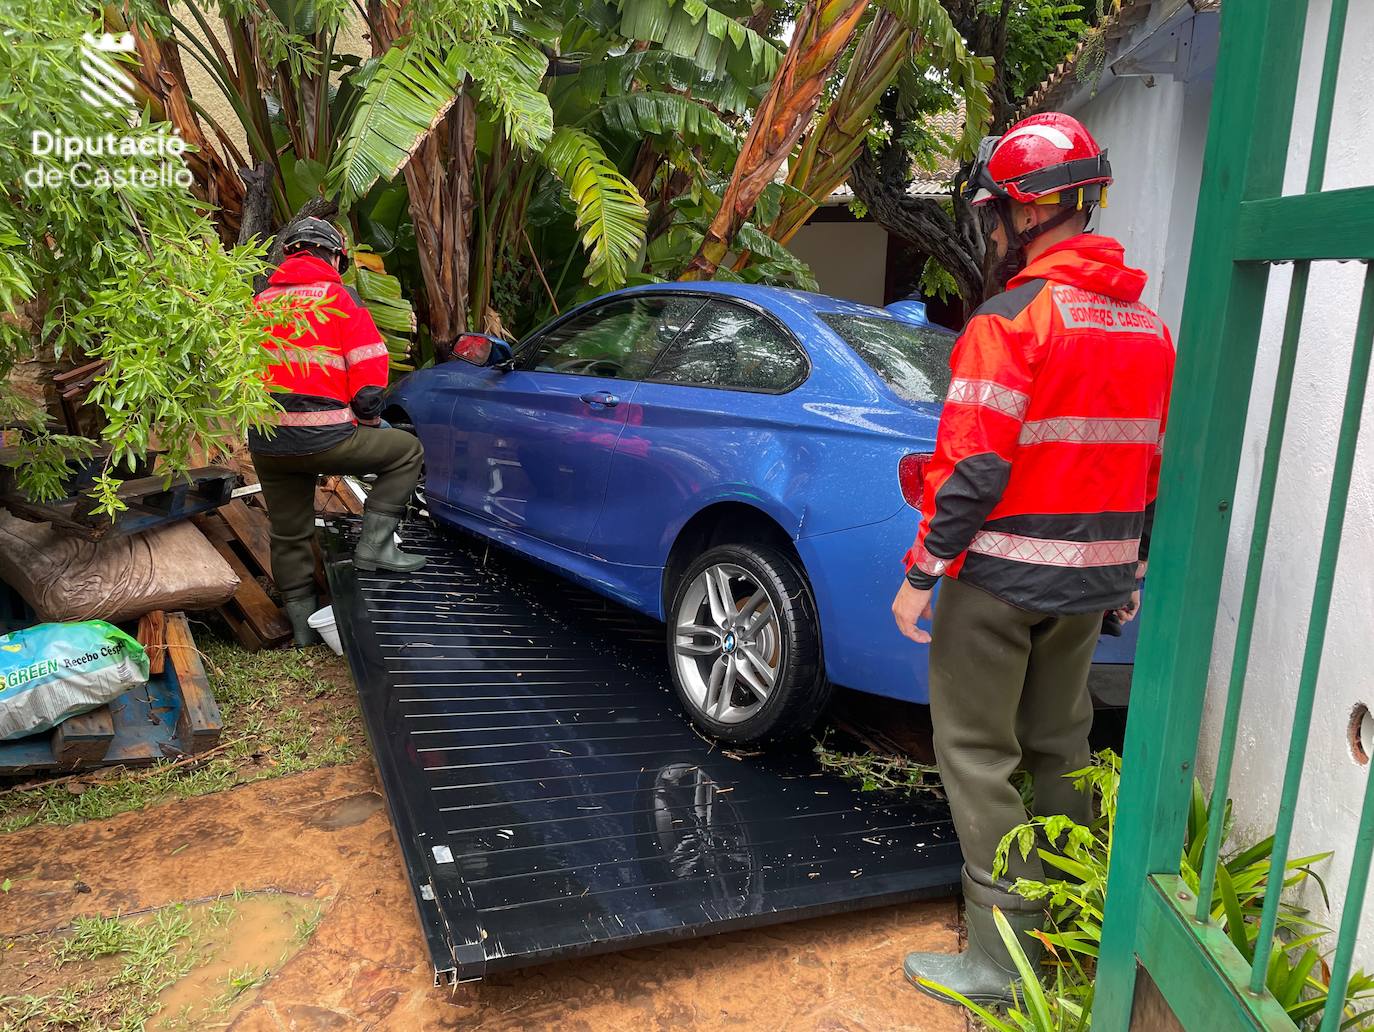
x,y
1244,225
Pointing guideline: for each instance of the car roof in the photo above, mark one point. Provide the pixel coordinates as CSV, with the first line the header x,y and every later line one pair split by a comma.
x,y
803,303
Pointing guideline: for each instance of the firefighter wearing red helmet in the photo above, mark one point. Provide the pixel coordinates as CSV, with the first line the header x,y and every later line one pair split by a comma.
x,y
1035,515
328,383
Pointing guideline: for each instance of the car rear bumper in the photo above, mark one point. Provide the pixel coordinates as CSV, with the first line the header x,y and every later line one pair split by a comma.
x,y
855,574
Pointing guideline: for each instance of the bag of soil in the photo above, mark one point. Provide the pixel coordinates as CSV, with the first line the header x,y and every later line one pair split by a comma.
x,y
54,671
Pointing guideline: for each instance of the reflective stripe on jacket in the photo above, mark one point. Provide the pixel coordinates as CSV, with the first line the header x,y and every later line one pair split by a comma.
x,y
1046,465
330,376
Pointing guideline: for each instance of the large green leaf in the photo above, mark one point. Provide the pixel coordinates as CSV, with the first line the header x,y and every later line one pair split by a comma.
x,y
508,75
649,113
407,93
662,70
693,28
610,212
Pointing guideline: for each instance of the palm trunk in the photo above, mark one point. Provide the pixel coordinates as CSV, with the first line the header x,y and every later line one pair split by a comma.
x,y
162,80
823,31
439,180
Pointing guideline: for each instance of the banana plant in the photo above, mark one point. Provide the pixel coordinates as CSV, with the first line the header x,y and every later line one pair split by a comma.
x,y
921,35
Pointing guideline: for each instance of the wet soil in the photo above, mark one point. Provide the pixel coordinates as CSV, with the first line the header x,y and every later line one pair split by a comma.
x,y
321,840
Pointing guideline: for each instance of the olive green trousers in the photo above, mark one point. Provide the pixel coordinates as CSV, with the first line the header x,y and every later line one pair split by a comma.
x,y
1008,691
288,487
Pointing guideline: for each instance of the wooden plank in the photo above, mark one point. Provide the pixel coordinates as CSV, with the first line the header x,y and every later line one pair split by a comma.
x,y
199,725
252,529
151,634
83,740
268,622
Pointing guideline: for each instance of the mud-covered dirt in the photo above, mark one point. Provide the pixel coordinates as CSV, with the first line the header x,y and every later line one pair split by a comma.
x,y
323,838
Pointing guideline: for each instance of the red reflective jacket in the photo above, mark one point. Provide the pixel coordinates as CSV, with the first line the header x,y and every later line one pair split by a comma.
x,y
1046,465
329,377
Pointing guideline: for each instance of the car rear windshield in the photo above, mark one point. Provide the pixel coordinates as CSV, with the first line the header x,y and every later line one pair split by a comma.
x,y
912,360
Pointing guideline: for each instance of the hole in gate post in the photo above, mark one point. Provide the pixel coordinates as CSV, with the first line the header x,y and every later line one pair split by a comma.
x,y
1361,733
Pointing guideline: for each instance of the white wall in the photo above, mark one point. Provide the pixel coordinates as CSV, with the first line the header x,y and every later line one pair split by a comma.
x,y
848,258
1156,137
1328,809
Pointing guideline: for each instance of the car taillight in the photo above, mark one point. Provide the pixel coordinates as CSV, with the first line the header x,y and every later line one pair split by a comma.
x,y
911,474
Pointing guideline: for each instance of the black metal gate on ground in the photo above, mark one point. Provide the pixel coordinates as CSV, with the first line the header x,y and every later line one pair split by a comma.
x,y
550,799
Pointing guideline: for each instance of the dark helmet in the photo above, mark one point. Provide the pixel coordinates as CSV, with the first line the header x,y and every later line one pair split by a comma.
x,y
312,232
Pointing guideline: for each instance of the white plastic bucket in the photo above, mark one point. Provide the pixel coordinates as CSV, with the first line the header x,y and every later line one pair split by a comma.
x,y
323,622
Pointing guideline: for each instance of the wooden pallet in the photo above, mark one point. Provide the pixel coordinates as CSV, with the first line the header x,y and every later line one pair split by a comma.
x,y
240,535
172,716
150,503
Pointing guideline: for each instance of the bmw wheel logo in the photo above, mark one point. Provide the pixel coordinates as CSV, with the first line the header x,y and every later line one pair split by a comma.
x,y
728,645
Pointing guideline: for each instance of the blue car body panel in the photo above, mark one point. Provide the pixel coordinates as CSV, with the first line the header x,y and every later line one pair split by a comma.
x,y
535,461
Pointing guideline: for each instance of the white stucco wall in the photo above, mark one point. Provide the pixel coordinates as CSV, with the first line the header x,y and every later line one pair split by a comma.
x,y
848,258
1333,786
1156,137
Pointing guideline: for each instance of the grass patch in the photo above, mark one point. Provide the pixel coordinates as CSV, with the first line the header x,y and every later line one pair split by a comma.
x,y
173,970
284,711
147,956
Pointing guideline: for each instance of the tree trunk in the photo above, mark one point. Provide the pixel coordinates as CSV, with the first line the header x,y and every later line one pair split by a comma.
x,y
823,31
880,181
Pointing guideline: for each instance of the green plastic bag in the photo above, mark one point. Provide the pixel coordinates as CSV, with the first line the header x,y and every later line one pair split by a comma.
x,y
54,671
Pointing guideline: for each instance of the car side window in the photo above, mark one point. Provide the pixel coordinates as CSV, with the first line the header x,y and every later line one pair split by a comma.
x,y
728,345
619,339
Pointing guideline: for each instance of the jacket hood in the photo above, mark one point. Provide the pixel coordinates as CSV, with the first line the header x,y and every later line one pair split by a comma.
x,y
1090,261
303,267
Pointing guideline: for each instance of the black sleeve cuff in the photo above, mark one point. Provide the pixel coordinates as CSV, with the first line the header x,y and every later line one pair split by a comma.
x,y
919,579
367,403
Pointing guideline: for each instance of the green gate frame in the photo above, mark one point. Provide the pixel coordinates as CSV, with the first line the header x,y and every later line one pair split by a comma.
x,y
1244,224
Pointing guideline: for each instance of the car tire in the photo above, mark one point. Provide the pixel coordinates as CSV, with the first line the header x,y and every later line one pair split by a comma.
x,y
744,645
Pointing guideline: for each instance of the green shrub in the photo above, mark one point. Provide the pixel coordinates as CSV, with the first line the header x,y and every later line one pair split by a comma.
x,y
1074,891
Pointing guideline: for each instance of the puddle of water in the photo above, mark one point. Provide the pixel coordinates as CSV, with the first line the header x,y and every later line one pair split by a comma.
x,y
238,945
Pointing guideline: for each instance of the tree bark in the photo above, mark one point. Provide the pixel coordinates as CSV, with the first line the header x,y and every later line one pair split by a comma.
x,y
881,180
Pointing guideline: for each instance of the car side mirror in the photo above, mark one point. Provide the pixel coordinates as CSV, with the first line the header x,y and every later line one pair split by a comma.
x,y
480,349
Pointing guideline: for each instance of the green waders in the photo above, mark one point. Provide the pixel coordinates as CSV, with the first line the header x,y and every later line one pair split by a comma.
x,y
288,487
1008,691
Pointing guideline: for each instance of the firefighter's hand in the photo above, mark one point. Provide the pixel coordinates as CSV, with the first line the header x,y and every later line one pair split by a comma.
x,y
910,605
1129,612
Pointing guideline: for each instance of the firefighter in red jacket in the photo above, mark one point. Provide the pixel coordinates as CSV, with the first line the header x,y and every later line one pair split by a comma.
x,y
1036,514
329,383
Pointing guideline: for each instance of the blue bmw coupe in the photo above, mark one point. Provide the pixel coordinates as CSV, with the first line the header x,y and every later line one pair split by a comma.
x,y
740,462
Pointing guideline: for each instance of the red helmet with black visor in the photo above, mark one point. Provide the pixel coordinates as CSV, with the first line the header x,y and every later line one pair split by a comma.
x,y
1038,157
1046,159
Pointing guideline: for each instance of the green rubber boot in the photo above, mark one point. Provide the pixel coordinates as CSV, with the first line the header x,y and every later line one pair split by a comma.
x,y
377,546
984,972
298,611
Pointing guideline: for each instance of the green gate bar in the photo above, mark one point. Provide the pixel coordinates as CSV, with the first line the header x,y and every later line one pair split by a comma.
x,y
1244,225
1264,503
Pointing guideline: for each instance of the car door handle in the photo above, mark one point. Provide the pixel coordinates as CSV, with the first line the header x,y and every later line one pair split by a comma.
x,y
601,399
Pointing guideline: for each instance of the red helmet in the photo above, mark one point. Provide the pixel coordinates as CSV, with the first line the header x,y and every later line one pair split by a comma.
x,y
1039,157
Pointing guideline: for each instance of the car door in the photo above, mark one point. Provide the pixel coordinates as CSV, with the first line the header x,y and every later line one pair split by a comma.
x,y
533,446
711,418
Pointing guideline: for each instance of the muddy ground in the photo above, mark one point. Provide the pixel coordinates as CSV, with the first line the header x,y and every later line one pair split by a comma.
x,y
319,844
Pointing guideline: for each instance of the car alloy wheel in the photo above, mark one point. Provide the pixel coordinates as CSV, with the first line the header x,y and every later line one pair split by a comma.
x,y
728,643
